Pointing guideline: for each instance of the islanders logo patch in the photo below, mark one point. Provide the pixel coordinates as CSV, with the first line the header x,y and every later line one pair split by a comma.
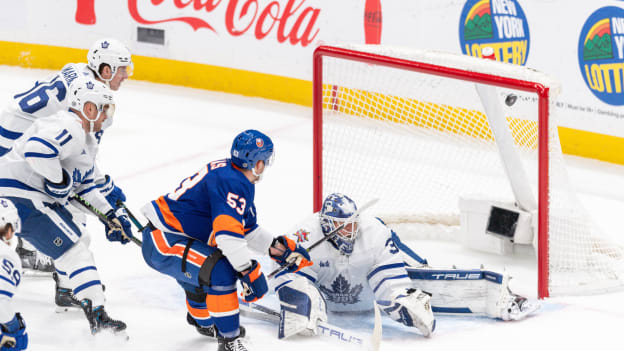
x,y
499,24
601,54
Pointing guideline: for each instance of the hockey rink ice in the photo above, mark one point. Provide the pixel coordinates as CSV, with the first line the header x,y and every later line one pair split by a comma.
x,y
163,134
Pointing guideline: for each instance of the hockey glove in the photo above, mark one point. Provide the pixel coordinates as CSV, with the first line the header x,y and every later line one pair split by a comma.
x,y
412,307
118,227
254,283
59,191
294,255
112,192
14,336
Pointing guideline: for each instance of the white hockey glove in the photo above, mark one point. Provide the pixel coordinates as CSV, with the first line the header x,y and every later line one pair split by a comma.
x,y
503,304
302,306
412,307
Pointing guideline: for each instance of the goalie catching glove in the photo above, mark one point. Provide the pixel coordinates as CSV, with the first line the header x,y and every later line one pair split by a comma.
x,y
293,255
412,307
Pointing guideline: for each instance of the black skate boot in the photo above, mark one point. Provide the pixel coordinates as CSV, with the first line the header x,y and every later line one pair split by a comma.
x,y
236,343
33,262
210,331
64,297
99,319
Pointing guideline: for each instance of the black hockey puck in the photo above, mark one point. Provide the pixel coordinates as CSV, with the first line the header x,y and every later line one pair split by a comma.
x,y
511,99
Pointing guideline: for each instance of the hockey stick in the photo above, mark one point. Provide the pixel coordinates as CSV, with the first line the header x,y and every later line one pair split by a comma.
x,y
102,217
326,237
325,329
132,217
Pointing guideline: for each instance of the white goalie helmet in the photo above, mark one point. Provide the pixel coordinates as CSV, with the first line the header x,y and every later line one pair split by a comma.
x,y
83,90
338,209
111,52
9,215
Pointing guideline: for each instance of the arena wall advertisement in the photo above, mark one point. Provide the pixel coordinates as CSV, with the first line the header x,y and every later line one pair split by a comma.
x,y
264,47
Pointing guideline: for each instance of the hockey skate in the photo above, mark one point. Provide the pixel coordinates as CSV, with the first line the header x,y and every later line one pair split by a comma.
x,y
64,298
232,344
210,331
519,307
99,319
34,263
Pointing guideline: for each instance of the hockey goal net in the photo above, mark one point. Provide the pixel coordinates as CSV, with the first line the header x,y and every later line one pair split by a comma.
x,y
410,127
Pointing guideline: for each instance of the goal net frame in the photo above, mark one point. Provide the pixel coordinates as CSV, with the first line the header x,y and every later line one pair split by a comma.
x,y
542,91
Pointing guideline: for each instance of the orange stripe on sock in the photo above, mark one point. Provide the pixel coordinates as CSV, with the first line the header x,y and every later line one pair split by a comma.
x,y
198,312
170,219
222,303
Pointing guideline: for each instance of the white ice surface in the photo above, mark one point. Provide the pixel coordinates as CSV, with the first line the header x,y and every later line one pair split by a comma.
x,y
163,134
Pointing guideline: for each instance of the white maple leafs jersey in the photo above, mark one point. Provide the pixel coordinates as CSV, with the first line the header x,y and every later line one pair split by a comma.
x,y
374,271
10,277
51,144
45,98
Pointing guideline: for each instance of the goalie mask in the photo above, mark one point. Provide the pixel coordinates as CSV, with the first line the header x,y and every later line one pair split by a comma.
x,y
339,209
8,215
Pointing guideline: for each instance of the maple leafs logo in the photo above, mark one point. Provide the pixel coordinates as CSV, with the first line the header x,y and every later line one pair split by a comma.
x,y
341,291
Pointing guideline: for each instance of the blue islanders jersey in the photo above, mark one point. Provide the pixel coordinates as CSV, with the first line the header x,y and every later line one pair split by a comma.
x,y
214,206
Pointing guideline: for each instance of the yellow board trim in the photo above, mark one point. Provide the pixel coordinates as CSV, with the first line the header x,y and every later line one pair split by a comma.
x,y
159,70
297,91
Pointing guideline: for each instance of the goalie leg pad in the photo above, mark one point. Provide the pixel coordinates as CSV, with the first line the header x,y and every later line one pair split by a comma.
x,y
503,304
302,306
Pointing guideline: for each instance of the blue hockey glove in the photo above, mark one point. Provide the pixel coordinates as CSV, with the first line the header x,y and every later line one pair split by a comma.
x,y
59,191
294,255
14,336
254,283
121,230
112,192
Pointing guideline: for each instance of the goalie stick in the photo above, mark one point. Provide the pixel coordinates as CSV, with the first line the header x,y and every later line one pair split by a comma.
x,y
101,216
326,237
261,312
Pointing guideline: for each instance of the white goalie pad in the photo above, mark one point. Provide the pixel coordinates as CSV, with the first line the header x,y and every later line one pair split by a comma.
x,y
302,306
458,291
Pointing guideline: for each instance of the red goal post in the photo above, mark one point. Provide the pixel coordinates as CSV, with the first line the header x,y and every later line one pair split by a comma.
x,y
383,91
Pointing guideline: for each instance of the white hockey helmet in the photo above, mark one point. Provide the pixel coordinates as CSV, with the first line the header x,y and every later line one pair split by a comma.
x,y
85,89
9,215
111,52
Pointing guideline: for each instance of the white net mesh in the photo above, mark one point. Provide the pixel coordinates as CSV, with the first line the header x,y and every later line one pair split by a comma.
x,y
421,141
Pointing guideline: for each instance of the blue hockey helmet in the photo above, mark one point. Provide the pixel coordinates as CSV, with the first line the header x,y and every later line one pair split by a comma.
x,y
339,209
252,146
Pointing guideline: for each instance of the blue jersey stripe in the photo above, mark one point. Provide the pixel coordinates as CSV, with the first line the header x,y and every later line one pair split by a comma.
x,y
9,134
4,292
385,267
388,278
46,143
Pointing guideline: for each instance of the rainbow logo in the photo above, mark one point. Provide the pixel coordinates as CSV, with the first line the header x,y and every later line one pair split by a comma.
x,y
500,25
601,61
